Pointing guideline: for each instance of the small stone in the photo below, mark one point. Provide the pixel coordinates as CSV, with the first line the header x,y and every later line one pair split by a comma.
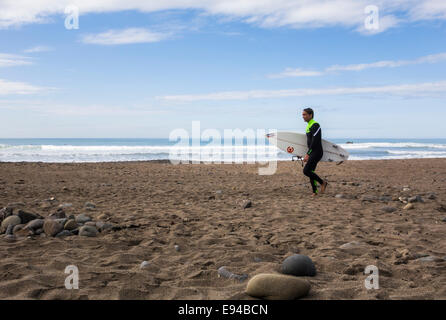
x,y
405,189
256,259
90,206
369,198
11,220
403,199
35,224
430,259
88,231
218,192
354,247
444,219
90,223
82,218
59,214
70,225
247,204
298,265
27,216
5,212
388,209
103,216
415,199
65,205
64,233
277,287
144,264
9,229
52,227
17,228
385,198
432,196
339,196
177,248
409,206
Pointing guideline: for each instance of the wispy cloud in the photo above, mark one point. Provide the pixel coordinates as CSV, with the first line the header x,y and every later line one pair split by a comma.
x,y
418,89
125,36
290,72
12,60
18,88
38,49
265,13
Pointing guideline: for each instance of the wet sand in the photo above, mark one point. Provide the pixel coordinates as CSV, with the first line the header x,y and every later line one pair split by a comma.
x,y
199,208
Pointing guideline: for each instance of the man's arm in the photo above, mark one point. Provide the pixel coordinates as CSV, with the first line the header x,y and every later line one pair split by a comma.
x,y
315,131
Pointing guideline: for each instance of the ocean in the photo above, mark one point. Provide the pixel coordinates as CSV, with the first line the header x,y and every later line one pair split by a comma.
x,y
143,149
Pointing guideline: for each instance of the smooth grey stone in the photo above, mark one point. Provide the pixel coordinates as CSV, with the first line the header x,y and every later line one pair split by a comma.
x,y
10,229
90,205
144,264
82,218
35,224
298,265
64,233
88,231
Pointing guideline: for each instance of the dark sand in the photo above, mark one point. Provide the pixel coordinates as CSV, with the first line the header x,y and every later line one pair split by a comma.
x,y
160,205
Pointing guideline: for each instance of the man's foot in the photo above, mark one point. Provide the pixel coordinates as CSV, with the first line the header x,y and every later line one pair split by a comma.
x,y
314,195
324,186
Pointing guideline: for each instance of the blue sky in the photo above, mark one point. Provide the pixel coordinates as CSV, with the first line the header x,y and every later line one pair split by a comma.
x,y
133,70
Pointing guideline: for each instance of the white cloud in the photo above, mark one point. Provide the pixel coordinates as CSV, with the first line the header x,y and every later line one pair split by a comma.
x,y
409,90
12,60
264,13
38,49
289,72
18,88
125,36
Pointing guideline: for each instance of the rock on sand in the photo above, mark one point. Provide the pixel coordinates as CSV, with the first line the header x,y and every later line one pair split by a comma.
x,y
277,287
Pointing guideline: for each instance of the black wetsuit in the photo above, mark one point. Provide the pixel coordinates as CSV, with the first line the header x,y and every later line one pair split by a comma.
x,y
314,143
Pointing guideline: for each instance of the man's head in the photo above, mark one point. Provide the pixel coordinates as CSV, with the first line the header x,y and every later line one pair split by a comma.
x,y
307,114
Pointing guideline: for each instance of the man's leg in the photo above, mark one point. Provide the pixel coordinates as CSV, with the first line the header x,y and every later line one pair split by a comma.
x,y
309,169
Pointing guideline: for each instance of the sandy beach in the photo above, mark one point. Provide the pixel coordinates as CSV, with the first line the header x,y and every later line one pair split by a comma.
x,y
155,206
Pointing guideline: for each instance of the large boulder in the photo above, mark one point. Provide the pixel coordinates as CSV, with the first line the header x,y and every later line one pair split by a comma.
x,y
298,265
277,287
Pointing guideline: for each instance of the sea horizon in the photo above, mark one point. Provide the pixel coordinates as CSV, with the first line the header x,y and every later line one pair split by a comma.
x,y
73,150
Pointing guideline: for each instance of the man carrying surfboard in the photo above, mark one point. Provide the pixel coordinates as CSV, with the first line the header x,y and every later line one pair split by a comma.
x,y
315,151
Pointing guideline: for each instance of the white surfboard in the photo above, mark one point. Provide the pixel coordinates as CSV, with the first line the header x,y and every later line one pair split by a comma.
x,y
296,144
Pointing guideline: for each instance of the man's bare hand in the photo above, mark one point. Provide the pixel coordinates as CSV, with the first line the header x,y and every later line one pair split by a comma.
x,y
306,158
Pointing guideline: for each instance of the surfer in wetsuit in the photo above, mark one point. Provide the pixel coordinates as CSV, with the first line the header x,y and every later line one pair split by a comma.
x,y
315,152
